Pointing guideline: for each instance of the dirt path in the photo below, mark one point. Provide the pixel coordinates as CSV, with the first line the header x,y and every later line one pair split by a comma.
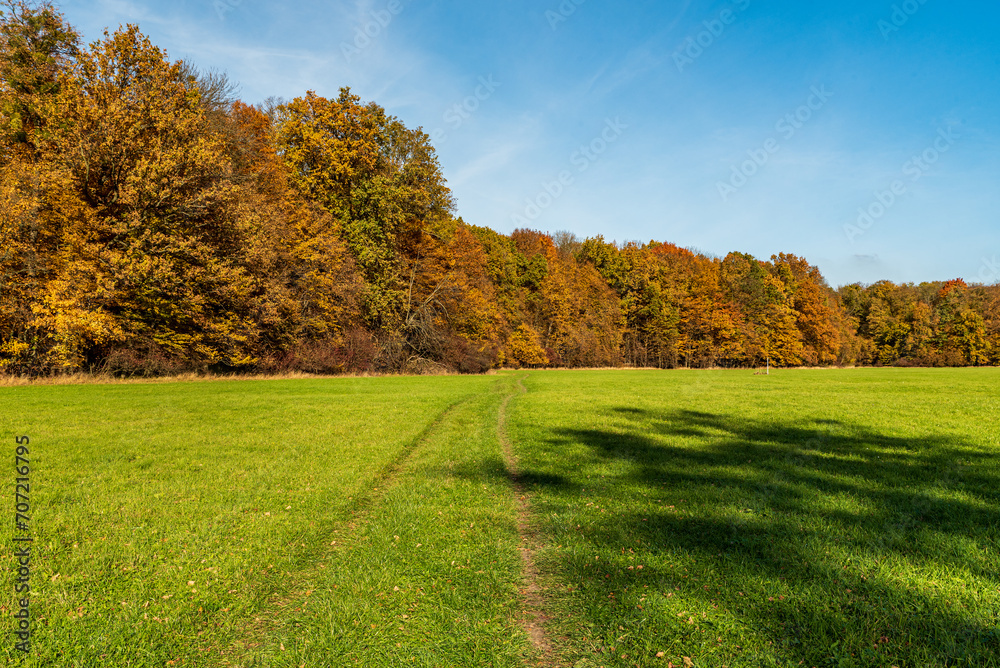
x,y
534,618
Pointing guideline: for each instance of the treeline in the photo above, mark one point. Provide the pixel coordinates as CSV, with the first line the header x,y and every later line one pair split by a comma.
x,y
150,223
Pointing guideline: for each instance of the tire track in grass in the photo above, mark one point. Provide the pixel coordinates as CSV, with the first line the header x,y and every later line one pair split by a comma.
x,y
534,620
297,587
385,478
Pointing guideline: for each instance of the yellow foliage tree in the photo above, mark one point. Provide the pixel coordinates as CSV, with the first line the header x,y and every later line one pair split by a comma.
x,y
523,348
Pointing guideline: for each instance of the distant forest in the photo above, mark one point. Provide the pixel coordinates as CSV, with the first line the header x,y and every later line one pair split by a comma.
x,y
151,223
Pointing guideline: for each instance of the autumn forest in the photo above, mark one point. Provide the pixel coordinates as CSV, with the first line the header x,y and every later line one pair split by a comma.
x,y
151,223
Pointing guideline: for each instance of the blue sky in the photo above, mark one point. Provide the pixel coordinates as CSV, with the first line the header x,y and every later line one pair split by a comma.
x,y
863,136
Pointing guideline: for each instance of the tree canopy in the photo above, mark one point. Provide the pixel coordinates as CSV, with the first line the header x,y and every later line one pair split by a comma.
x,y
151,222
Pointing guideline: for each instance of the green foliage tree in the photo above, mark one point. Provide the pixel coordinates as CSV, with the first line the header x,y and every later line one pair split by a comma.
x,y
379,180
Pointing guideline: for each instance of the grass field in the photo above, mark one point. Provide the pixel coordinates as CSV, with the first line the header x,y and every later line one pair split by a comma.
x,y
817,518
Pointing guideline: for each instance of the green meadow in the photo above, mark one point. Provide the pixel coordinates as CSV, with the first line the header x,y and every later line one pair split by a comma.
x,y
543,518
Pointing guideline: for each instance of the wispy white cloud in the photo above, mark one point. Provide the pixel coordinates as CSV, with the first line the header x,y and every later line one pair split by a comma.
x,y
488,164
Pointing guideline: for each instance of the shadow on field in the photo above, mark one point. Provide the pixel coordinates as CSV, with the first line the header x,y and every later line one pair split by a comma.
x,y
851,527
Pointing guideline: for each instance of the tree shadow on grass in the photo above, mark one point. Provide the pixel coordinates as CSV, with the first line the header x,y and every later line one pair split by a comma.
x,y
837,544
